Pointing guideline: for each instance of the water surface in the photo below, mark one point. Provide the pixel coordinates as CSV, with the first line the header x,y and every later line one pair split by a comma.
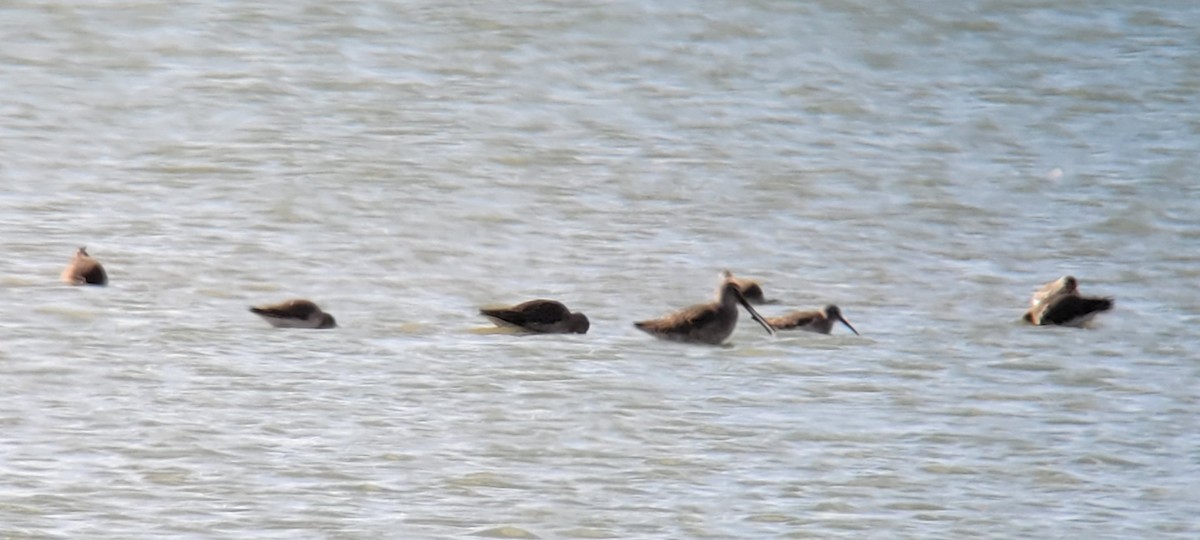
x,y
923,165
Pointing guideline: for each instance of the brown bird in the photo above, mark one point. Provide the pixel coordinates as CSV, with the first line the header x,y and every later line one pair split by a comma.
x,y
540,316
84,270
819,321
750,288
709,323
295,314
1059,303
1062,285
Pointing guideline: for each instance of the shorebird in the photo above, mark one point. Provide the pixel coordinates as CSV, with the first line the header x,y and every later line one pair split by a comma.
x,y
84,270
709,323
819,321
1062,285
1060,303
541,316
295,314
750,288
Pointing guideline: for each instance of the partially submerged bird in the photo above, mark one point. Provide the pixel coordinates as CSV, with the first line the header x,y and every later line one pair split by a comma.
x,y
84,270
1059,303
820,321
750,288
1062,285
541,316
295,314
710,323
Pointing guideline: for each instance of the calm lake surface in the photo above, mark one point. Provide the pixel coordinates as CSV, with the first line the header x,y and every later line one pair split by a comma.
x,y
924,165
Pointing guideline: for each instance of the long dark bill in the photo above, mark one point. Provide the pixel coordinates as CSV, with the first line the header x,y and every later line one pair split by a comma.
x,y
847,323
754,314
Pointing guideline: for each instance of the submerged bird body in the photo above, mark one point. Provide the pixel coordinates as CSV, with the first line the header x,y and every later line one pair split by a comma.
x,y
540,316
1059,303
710,323
295,314
819,321
1068,310
84,270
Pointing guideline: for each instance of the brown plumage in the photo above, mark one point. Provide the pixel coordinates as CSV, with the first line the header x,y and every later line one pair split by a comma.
x,y
1059,303
541,316
820,321
1062,285
750,288
295,314
710,323
84,270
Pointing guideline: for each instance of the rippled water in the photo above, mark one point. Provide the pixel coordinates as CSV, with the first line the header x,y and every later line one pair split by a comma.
x,y
925,165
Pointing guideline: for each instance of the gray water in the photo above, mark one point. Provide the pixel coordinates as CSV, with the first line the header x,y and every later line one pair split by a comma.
x,y
925,165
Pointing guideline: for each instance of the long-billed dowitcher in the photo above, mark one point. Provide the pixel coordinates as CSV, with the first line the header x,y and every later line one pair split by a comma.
x,y
84,270
751,289
541,316
295,314
1059,303
819,321
709,323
